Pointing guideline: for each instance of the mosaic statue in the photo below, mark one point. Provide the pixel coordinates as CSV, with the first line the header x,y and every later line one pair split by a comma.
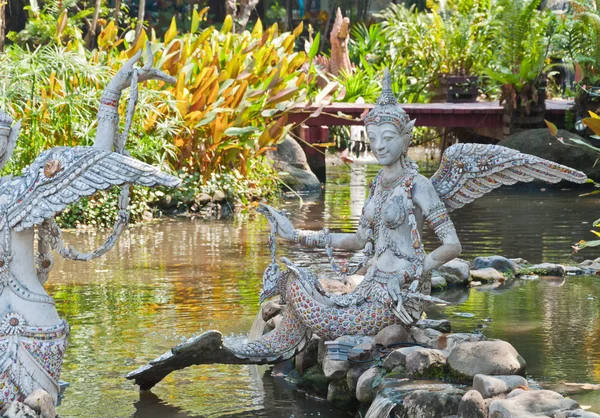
x,y
33,338
397,283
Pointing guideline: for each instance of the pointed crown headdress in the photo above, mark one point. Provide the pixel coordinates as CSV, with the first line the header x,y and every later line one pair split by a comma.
x,y
387,109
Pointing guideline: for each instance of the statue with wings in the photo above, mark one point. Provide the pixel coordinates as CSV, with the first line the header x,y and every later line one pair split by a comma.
x,y
33,338
397,282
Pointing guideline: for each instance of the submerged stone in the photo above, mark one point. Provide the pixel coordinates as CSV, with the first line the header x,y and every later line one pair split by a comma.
x,y
496,262
531,403
314,381
339,395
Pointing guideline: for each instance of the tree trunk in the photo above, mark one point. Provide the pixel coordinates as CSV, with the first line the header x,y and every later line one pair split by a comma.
x,y
2,23
246,7
140,22
117,12
90,38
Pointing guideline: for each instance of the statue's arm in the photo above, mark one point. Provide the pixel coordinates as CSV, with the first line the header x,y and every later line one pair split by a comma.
x,y
436,215
344,241
108,110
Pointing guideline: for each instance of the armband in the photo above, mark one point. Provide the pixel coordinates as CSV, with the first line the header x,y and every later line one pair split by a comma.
x,y
311,238
440,221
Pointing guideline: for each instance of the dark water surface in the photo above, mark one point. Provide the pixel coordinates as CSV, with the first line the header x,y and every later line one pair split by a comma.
x,y
176,278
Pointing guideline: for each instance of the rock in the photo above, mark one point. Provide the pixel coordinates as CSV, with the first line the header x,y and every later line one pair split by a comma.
x,y
270,309
19,410
441,325
219,196
356,339
340,396
520,261
426,404
314,381
354,374
490,386
484,357
335,369
290,158
361,352
472,405
573,271
322,351
426,362
203,199
486,275
575,414
308,357
546,269
496,262
364,386
540,143
455,272
398,357
590,266
531,403
438,282
42,403
448,342
427,337
392,334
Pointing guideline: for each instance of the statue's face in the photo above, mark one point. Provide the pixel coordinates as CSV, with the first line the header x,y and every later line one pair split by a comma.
x,y
386,142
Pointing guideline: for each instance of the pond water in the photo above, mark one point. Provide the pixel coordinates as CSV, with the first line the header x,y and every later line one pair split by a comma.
x,y
178,277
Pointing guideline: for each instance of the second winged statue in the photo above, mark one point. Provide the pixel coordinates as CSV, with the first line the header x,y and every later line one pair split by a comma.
x,y
33,338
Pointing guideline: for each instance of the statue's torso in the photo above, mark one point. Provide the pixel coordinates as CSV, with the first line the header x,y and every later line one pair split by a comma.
x,y
387,213
32,301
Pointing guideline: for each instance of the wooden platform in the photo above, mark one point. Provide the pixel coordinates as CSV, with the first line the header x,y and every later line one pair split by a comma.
x,y
480,116
448,115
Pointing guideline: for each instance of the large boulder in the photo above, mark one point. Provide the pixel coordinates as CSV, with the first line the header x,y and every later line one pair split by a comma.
x,y
490,386
540,143
484,357
455,272
430,404
426,362
314,381
472,405
531,403
309,356
392,334
339,395
335,369
487,275
496,262
441,325
398,357
364,386
290,158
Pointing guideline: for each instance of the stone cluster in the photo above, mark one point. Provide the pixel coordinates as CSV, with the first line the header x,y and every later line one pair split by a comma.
x,y
497,269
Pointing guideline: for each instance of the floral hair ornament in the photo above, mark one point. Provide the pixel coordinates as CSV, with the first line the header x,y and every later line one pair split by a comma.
x,y
387,110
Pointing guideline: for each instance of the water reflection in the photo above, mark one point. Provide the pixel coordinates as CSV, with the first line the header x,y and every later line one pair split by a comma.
x,y
176,278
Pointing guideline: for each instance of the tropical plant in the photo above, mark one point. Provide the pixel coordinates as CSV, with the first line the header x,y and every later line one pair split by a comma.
x,y
523,39
592,122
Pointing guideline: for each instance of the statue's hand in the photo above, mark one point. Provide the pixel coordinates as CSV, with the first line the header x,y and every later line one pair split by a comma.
x,y
393,288
285,229
122,79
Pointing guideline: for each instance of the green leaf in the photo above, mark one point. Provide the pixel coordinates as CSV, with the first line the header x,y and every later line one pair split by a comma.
x,y
584,143
235,131
314,48
195,21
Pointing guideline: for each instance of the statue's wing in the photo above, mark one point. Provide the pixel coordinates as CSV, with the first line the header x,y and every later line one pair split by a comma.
x,y
469,171
61,176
